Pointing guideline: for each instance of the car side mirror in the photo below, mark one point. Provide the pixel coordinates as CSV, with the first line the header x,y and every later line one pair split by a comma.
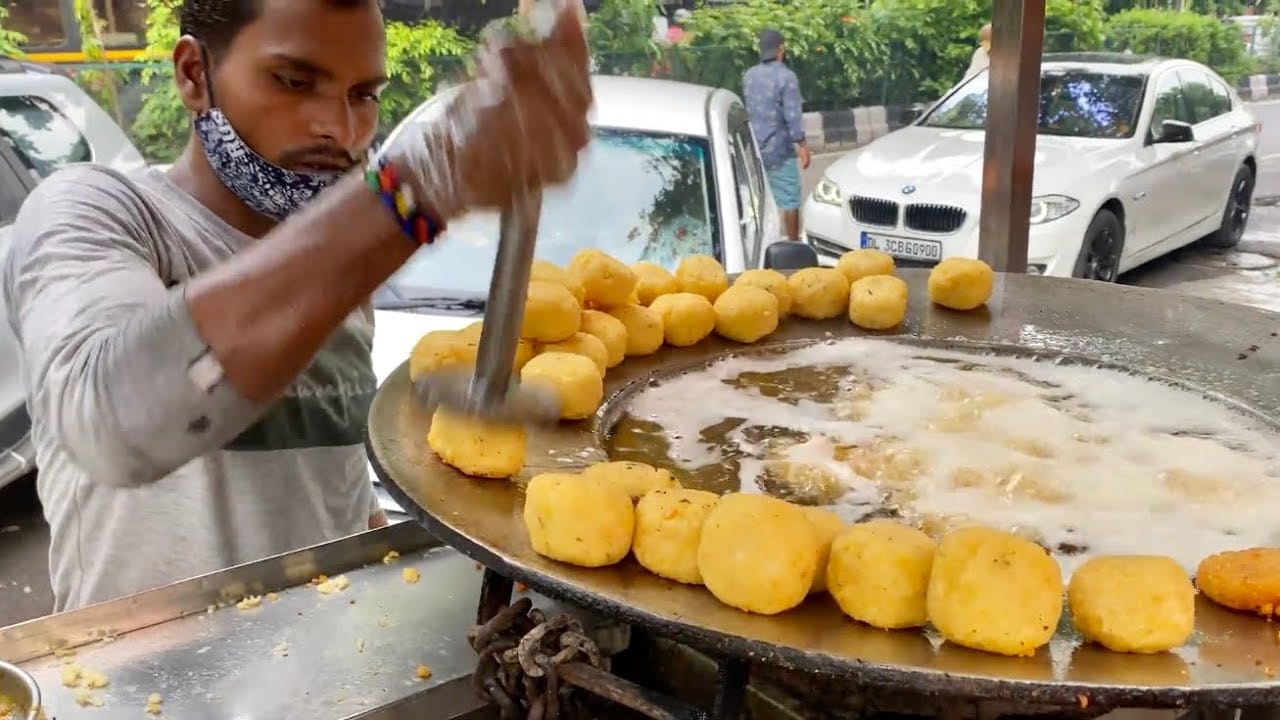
x,y
1175,131
790,255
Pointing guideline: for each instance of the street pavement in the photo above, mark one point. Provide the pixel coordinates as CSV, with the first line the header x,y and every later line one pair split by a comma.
x,y
1249,275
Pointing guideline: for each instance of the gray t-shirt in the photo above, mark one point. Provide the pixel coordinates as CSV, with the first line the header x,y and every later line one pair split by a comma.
x,y
147,475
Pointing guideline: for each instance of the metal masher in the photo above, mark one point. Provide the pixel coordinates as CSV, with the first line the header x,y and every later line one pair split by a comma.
x,y
490,391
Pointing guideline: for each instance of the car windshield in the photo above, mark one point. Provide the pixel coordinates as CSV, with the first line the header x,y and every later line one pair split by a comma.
x,y
637,196
1074,103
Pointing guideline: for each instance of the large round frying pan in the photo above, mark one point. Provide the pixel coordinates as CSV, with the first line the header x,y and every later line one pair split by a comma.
x,y
1220,349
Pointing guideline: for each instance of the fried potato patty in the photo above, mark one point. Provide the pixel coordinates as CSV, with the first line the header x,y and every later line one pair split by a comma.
x,y
1246,580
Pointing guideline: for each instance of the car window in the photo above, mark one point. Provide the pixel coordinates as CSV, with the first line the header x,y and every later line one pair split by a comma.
x,y
1201,98
12,190
1170,103
747,168
637,196
124,21
45,137
742,188
1074,103
12,193
39,20
1222,95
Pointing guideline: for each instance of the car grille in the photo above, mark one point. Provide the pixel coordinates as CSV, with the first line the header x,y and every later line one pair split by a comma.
x,y
929,218
874,211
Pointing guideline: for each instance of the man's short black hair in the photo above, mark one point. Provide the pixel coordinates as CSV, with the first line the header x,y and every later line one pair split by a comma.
x,y
217,22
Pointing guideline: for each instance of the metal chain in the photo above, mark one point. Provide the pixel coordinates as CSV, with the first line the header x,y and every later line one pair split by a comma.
x,y
519,650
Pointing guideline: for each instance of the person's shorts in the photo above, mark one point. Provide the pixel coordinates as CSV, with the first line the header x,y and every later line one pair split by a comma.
x,y
784,180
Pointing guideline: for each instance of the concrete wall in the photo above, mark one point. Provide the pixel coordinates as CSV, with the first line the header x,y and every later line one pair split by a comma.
x,y
835,130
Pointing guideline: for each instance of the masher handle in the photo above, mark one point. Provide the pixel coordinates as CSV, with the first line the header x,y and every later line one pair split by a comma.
x,y
504,311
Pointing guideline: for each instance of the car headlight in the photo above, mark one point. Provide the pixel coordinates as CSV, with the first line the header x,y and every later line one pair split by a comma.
x,y
827,192
1048,208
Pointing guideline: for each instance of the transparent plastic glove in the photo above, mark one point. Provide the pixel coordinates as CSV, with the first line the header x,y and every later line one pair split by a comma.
x,y
518,124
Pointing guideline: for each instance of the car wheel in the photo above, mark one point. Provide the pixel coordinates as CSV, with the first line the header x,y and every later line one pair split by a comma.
x,y
1100,253
1235,218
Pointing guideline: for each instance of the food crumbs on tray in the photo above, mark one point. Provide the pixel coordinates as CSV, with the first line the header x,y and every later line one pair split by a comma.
x,y
153,704
94,680
384,621
281,650
273,596
1269,671
85,698
360,645
64,652
249,602
411,575
1083,700
71,675
210,609
319,579
522,588
329,586
424,672
390,557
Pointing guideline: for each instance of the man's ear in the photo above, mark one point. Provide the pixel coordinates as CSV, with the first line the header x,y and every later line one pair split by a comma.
x,y
190,74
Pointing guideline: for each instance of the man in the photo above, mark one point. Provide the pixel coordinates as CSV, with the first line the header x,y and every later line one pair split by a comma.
x,y
982,55
675,31
772,95
196,344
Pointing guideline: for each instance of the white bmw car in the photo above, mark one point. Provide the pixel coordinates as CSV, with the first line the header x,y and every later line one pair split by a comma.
x,y
1134,158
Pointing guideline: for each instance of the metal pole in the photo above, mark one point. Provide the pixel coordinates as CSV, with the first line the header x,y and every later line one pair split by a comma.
x,y
1013,109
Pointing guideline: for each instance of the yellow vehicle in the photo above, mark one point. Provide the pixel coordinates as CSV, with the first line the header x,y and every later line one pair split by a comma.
x,y
53,35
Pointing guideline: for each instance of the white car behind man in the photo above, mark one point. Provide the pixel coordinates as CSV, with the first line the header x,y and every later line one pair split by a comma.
x,y
672,171
46,121
1134,158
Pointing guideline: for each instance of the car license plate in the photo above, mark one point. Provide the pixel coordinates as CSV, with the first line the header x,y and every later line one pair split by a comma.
x,y
905,248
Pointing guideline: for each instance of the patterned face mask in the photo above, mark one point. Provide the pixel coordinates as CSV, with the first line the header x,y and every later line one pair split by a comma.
x,y
265,187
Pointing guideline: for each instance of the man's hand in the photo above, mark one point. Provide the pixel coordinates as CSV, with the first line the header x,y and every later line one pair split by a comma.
x,y
802,154
518,124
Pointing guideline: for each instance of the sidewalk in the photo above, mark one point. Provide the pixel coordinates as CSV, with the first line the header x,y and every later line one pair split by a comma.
x,y
1258,87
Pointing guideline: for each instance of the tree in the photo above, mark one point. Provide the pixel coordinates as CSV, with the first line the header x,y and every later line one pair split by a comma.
x,y
101,82
11,41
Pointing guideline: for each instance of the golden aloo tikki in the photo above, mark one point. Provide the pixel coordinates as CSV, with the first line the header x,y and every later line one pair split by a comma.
x,y
992,576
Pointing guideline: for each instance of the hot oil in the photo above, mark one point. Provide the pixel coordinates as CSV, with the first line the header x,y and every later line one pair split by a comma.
x,y
1081,459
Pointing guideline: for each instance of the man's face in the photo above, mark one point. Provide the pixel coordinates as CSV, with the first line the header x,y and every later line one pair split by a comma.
x,y
300,84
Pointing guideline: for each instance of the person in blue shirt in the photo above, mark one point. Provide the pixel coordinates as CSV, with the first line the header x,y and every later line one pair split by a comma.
x,y
772,94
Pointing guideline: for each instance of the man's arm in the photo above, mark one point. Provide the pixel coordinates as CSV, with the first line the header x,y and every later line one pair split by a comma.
x,y
791,109
135,378
793,115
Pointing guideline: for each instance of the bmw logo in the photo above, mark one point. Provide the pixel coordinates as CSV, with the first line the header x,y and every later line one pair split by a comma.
x,y
908,189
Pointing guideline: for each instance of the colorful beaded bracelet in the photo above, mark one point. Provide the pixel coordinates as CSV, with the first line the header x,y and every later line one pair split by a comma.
x,y
381,177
